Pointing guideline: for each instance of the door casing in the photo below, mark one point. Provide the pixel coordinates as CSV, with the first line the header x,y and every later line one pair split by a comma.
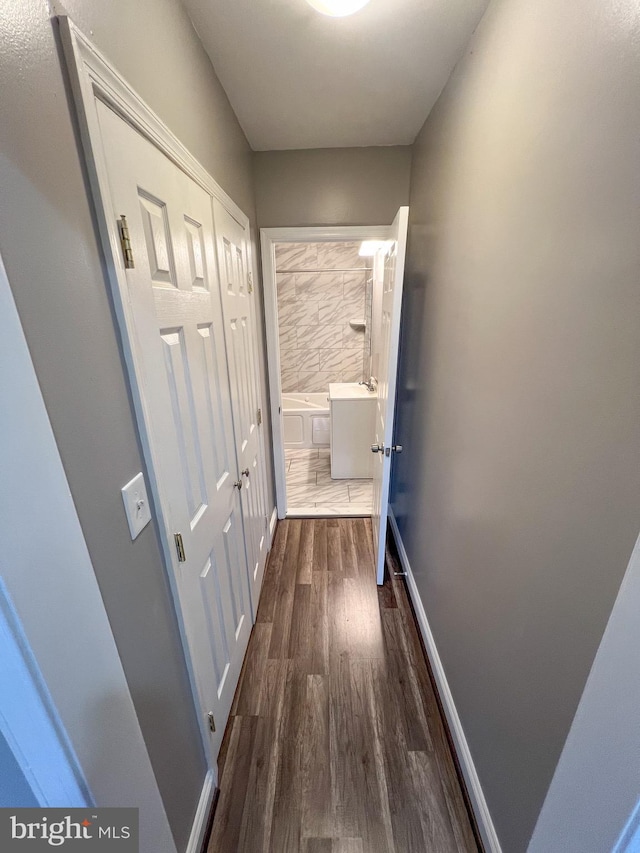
x,y
94,79
268,239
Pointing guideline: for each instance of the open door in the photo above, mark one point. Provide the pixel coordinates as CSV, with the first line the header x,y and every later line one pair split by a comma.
x,y
388,278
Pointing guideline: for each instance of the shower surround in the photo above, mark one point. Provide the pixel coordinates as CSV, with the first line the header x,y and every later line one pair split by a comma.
x,y
321,286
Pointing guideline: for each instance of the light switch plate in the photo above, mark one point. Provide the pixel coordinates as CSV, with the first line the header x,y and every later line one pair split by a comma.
x,y
136,504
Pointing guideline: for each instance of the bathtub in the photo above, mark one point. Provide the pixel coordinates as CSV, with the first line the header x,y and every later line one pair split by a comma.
x,y
306,420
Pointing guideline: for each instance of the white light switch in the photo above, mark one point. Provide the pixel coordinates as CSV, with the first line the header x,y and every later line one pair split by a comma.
x,y
136,504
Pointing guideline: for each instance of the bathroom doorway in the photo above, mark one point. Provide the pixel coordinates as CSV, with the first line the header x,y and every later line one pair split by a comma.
x,y
320,309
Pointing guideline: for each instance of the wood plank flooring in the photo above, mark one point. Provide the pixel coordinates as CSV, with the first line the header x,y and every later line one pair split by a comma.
x,y
335,742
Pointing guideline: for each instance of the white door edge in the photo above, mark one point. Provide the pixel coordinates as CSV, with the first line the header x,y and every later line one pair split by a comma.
x,y
401,235
268,239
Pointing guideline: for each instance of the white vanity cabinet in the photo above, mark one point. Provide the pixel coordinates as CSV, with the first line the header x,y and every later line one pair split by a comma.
x,y
352,409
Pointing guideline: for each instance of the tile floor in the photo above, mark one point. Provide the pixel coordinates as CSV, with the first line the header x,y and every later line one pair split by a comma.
x,y
311,491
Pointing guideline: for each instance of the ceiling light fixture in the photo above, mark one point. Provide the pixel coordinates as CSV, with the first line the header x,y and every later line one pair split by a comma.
x,y
337,8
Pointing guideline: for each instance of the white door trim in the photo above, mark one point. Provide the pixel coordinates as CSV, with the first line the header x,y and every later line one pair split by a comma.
x,y
92,75
94,79
201,819
30,723
268,238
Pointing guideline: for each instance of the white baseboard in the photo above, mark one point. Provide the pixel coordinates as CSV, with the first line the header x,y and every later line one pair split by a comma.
x,y
474,789
196,839
272,524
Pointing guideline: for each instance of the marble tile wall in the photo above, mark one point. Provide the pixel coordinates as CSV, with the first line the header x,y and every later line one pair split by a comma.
x,y
321,286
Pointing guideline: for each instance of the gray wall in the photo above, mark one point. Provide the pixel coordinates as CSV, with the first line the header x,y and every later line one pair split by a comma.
x,y
518,493
51,255
596,786
331,186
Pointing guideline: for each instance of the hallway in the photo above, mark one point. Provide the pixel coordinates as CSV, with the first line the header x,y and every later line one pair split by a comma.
x,y
335,741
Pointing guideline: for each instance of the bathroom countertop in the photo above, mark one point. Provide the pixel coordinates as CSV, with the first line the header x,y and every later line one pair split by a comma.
x,y
350,391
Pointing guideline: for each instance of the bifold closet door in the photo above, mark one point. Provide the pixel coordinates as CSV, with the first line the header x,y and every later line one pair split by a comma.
x,y
238,304
177,339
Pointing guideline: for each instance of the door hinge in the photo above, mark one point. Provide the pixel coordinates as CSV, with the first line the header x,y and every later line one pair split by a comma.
x,y
212,722
250,281
259,417
180,547
125,242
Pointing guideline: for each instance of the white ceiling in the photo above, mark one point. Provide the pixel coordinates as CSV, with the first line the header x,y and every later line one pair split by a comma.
x,y
300,79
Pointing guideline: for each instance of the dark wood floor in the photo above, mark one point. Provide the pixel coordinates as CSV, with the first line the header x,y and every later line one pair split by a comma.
x,y
335,742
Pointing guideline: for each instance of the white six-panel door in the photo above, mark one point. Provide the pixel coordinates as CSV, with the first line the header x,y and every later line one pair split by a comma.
x,y
389,275
241,339
174,298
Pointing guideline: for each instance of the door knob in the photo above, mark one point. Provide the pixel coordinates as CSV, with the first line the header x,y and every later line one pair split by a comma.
x,y
377,448
245,472
238,484
397,448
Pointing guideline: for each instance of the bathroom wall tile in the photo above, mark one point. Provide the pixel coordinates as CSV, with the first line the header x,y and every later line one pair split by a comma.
x,y
319,285
315,381
352,338
298,313
339,361
314,305
306,360
339,256
295,359
356,302
296,256
352,360
332,312
319,337
341,311
286,308
289,381
368,311
288,358
286,285
354,373
353,284
288,338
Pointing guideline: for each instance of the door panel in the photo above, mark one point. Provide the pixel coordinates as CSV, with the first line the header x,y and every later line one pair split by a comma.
x,y
388,275
240,331
182,409
182,371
